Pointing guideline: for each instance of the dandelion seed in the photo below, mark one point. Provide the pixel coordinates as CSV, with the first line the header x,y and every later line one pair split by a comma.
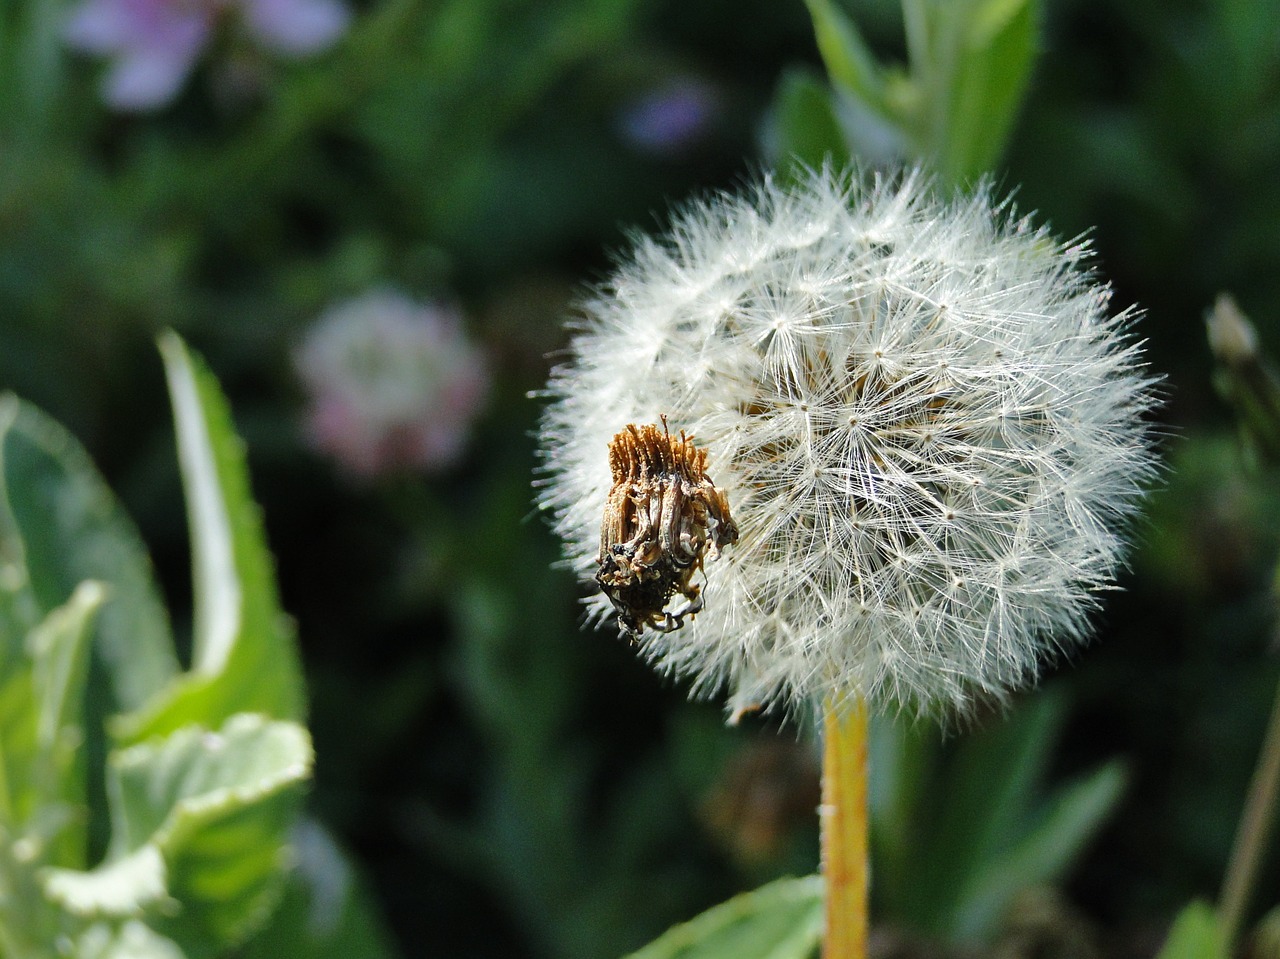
x,y
927,425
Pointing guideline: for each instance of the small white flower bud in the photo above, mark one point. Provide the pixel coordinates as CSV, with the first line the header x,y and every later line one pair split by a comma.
x,y
1232,337
927,427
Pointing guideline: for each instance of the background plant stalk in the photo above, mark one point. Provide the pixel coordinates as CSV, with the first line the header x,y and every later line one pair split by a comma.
x,y
1254,830
844,828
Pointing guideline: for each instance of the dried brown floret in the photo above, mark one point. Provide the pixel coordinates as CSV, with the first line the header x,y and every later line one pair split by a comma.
x,y
663,517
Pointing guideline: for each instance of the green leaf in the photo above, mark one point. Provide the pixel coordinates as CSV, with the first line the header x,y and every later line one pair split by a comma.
x,y
126,886
59,526
848,60
957,837
198,827
127,940
18,752
59,649
997,46
808,131
31,62
1052,845
782,920
244,655
19,609
161,791
41,733
1195,935
901,758
326,912
990,788
60,663
1023,746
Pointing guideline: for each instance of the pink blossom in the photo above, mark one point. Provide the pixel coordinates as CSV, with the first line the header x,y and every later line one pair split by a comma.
x,y
296,27
392,383
155,44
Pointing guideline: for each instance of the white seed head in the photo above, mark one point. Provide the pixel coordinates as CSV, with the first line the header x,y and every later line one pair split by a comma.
x,y
927,425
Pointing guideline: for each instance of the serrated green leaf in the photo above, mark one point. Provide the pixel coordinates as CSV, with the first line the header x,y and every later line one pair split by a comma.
x,y
233,796
992,68
848,60
161,790
244,654
782,920
1196,934
1061,831
59,526
198,827
127,886
808,131
325,912
127,940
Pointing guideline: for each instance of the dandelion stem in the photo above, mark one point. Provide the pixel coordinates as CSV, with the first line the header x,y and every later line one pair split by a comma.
x,y
1252,833
844,828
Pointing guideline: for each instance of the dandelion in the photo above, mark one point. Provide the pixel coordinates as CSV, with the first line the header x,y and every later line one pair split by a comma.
x,y
908,437
393,384
926,424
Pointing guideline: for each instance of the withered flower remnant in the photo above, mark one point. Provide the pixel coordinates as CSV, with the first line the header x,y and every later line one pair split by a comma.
x,y
662,518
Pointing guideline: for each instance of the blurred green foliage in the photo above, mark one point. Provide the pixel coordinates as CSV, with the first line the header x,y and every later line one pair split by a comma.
x,y
204,768
957,836
1194,935
952,106
782,920
511,785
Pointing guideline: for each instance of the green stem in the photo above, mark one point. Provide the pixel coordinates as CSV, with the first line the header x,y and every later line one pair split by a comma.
x,y
844,829
1253,832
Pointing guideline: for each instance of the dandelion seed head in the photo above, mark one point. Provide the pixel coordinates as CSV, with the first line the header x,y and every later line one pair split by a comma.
x,y
927,424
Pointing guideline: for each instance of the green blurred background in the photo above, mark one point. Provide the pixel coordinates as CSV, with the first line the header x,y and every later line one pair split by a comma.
x,y
509,784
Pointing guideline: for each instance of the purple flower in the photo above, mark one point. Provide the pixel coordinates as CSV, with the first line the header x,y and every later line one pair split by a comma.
x,y
393,383
296,27
155,44
671,118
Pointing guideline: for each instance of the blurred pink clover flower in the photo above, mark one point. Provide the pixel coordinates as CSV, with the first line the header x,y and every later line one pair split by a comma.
x,y
393,383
